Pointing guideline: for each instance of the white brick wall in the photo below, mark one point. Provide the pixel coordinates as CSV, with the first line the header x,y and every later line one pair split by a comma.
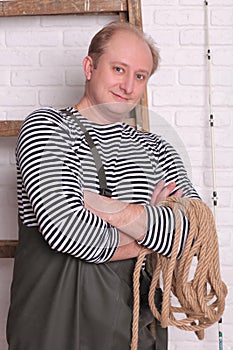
x,y
40,64
179,94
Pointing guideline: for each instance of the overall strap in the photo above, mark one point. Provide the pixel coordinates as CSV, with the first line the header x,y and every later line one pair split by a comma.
x,y
104,190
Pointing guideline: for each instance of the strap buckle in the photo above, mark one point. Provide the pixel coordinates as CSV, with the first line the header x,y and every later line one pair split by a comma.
x,y
105,192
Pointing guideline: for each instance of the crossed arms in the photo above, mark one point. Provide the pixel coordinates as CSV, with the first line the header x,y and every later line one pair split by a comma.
x,y
129,219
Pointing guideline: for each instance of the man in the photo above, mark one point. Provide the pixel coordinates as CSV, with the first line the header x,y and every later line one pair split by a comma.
x,y
72,283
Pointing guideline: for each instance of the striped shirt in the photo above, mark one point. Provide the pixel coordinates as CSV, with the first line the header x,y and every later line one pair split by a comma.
x,y
55,165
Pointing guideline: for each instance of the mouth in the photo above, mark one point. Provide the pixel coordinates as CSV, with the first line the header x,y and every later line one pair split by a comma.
x,y
119,97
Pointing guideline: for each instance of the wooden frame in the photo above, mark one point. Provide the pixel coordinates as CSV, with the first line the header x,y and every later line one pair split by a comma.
x,y
127,10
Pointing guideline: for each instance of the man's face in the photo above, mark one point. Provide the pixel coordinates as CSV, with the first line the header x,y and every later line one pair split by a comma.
x,y
121,75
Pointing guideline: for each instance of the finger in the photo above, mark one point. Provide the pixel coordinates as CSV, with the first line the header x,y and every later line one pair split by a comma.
x,y
158,188
166,192
178,193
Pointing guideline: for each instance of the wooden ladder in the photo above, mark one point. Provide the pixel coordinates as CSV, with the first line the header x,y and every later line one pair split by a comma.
x,y
126,10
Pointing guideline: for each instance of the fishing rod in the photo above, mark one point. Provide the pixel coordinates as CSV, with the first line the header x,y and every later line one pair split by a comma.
x,y
211,124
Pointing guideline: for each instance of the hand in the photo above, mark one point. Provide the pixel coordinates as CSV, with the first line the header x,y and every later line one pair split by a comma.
x,y
161,192
129,218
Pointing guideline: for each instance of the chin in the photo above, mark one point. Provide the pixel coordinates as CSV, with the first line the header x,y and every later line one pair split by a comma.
x,y
117,110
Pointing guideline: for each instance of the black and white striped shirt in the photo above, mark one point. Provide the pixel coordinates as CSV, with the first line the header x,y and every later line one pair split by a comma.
x,y
55,165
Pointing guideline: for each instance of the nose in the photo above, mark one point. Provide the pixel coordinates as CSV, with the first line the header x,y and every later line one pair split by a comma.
x,y
127,84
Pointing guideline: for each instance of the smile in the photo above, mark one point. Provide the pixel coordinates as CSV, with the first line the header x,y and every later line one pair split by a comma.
x,y
119,97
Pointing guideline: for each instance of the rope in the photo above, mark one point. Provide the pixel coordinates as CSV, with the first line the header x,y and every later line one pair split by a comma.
x,y
200,294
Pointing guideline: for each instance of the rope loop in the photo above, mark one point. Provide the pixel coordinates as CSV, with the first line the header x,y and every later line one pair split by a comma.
x,y
193,292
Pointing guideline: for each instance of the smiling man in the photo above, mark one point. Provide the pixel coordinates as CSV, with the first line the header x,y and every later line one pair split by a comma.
x,y
88,185
118,77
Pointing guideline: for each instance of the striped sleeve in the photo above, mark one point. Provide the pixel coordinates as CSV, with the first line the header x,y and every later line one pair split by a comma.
x,y
52,180
161,223
161,230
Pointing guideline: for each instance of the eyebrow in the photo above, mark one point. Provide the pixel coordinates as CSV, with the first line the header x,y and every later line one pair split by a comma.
x,y
126,65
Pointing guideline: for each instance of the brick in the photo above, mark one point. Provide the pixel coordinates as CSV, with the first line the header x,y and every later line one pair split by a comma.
x,y
17,97
60,57
163,77
192,37
223,138
229,300
75,76
164,37
37,77
196,156
226,273
222,57
102,20
197,177
80,38
7,146
178,97
158,2
2,39
8,223
68,21
191,118
225,198
148,16
182,57
185,340
226,257
222,17
24,22
12,198
203,345
228,312
160,117
171,346
223,97
223,178
34,38
224,236
223,117
223,157
15,113
8,176
8,199
4,77
222,77
222,3
191,2
195,141
221,37
18,57
193,76
60,97
2,115
179,17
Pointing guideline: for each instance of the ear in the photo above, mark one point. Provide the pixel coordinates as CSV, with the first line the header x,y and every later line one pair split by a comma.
x,y
88,67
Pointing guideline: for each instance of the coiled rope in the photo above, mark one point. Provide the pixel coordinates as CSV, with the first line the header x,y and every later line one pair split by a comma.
x,y
199,295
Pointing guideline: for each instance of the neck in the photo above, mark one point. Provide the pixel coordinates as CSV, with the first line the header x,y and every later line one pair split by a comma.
x,y
106,113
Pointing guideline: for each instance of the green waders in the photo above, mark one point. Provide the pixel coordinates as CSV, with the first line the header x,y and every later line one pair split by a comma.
x,y
60,302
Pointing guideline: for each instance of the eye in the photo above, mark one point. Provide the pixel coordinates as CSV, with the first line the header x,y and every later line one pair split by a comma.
x,y
118,69
140,76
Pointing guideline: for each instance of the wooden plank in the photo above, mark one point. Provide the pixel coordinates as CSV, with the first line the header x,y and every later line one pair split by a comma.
x,y
141,115
128,10
51,7
10,127
134,12
8,248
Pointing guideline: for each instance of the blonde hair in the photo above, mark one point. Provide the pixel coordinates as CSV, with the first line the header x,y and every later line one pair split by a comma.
x,y
101,39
